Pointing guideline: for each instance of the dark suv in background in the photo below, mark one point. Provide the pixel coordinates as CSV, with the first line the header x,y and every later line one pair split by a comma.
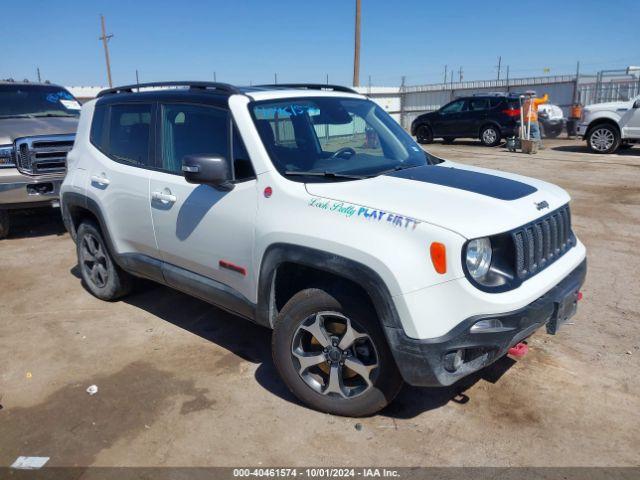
x,y
489,117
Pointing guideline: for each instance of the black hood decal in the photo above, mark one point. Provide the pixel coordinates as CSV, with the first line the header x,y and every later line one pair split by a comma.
x,y
476,182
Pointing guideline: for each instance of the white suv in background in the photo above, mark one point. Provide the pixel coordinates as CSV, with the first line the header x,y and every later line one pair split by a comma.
x,y
609,126
309,210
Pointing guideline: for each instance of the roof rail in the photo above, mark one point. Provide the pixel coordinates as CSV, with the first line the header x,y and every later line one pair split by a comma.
x,y
222,87
310,86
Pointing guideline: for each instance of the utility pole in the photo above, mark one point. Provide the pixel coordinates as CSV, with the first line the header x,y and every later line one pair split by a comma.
x,y
369,84
499,66
137,80
445,74
327,82
105,39
575,85
215,77
356,49
451,78
460,74
275,78
507,78
39,78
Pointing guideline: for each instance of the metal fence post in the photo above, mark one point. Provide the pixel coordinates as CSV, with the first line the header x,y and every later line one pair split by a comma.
x,y
402,102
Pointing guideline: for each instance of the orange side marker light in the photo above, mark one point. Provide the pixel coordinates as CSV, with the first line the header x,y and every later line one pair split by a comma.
x,y
439,257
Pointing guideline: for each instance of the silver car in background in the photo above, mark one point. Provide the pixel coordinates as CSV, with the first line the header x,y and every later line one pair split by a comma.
x,y
38,123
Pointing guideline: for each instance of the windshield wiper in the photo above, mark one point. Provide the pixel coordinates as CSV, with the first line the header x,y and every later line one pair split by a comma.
x,y
325,174
397,168
54,115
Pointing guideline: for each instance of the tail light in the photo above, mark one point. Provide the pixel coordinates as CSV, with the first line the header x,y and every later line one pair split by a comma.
x,y
512,112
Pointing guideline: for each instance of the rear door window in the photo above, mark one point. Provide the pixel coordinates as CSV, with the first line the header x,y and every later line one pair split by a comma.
x,y
478,104
129,133
496,102
453,107
98,135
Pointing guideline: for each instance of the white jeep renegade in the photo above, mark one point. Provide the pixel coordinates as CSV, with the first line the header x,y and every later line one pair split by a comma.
x,y
308,210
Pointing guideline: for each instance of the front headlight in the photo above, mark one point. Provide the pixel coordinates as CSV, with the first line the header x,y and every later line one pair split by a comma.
x,y
478,257
6,156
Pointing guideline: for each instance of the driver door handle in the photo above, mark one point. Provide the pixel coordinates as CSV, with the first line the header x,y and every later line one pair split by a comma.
x,y
163,197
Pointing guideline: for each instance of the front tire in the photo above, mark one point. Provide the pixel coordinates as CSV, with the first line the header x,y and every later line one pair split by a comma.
x,y
424,134
100,274
490,136
331,352
603,138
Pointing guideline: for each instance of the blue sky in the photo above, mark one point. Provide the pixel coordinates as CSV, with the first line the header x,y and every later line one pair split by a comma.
x,y
302,40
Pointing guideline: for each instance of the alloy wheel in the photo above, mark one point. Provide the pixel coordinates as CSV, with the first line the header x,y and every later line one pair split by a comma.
x,y
334,356
94,260
489,136
602,139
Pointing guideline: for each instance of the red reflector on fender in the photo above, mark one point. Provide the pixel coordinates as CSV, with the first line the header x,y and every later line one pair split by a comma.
x,y
439,257
231,266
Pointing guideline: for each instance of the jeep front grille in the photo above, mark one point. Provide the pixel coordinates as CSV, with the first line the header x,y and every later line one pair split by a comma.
x,y
43,155
540,243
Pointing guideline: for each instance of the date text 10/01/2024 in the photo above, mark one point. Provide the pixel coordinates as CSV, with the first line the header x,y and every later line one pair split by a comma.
x,y
349,211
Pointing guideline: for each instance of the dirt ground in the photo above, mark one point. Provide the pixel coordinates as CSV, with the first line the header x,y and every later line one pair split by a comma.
x,y
184,384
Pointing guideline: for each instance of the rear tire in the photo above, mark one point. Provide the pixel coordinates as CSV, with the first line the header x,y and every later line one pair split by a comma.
x,y
330,332
424,134
101,276
603,138
490,136
553,132
4,224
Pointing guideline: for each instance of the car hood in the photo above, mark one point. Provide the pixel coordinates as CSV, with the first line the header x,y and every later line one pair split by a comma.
x,y
553,112
473,202
608,106
12,128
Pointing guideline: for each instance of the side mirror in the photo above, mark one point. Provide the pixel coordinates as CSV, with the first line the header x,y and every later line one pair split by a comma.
x,y
207,169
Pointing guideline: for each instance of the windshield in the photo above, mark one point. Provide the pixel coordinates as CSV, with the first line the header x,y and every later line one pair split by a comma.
x,y
37,101
332,137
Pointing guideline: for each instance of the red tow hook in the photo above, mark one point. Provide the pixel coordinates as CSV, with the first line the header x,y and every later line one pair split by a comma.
x,y
519,350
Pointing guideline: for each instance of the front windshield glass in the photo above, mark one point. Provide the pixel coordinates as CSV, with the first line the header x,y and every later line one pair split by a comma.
x,y
334,136
37,101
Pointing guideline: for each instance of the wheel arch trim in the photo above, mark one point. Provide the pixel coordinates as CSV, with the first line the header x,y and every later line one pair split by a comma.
x,y
280,253
603,121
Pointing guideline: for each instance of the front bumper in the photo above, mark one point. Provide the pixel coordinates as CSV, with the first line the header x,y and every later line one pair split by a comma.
x,y
422,362
18,190
582,129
